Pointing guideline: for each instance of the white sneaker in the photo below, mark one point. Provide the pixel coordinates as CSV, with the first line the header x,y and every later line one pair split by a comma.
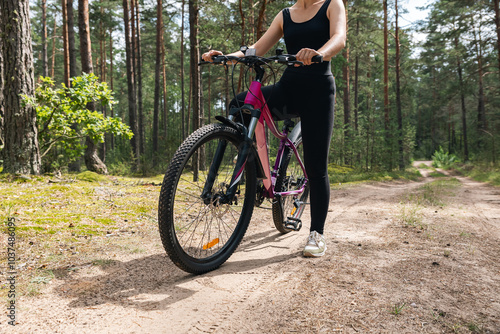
x,y
316,245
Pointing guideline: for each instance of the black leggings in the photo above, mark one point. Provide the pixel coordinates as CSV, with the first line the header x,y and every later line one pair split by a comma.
x,y
310,97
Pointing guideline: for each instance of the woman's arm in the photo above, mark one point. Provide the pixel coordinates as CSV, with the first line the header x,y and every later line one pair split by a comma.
x,y
337,17
262,46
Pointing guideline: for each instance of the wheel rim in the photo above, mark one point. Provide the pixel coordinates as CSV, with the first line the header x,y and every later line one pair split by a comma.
x,y
204,227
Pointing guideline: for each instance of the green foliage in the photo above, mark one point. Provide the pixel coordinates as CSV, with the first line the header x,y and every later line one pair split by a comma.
x,y
442,159
481,172
64,118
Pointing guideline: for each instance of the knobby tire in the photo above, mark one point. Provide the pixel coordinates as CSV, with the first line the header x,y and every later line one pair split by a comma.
x,y
181,208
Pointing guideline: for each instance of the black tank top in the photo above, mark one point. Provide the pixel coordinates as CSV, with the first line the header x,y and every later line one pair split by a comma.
x,y
312,34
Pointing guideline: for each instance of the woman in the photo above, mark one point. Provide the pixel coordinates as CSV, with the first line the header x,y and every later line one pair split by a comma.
x,y
310,28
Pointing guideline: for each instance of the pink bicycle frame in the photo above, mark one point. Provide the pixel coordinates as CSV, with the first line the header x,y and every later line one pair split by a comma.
x,y
256,99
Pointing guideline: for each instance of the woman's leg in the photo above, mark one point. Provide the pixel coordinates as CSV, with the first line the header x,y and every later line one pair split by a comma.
x,y
317,127
275,99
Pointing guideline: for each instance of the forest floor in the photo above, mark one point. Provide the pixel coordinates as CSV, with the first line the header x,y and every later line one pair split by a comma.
x,y
403,257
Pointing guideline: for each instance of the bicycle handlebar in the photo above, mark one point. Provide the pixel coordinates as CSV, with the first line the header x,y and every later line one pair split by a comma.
x,y
249,60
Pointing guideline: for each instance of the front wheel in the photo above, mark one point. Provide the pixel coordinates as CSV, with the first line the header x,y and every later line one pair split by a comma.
x,y
198,228
288,209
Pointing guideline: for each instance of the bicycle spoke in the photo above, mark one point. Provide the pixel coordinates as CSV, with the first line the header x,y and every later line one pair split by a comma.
x,y
199,232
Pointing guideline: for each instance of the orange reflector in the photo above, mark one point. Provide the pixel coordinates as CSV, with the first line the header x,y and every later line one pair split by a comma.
x,y
293,211
211,244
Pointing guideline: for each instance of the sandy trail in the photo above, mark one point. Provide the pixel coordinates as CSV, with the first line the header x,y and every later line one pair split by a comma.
x,y
442,274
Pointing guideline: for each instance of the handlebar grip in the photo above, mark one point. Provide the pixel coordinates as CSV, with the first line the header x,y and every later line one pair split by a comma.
x,y
317,59
314,59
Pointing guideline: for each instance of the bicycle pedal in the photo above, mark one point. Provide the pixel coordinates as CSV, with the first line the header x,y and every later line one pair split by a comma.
x,y
294,224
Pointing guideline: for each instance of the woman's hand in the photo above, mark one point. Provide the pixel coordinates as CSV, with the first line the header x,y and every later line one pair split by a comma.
x,y
207,56
305,55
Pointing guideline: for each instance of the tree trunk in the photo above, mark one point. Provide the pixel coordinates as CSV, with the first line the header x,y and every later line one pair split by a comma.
x,y
65,42
134,46
21,154
54,36
45,69
433,114
388,141
183,105
102,74
398,94
139,80
243,42
356,81
260,20
2,108
92,160
71,41
251,21
386,69
156,108
347,98
132,112
481,110
195,73
190,101
133,39
462,100
111,59
369,125
164,72
111,75
76,165
497,25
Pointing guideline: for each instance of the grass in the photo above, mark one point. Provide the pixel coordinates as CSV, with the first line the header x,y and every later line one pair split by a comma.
x,y
480,172
397,309
432,194
345,174
410,215
63,223
436,174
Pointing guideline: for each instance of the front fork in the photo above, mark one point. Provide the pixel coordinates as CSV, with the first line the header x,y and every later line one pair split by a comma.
x,y
243,153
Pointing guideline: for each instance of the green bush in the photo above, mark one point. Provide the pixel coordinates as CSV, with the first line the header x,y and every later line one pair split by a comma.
x,y
442,159
64,119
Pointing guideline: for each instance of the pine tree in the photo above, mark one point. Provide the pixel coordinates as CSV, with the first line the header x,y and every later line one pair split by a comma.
x,y
21,152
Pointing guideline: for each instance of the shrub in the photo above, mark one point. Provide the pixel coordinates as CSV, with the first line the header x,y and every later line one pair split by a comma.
x,y
442,159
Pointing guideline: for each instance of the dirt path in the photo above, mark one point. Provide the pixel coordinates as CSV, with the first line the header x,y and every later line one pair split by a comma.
x,y
394,265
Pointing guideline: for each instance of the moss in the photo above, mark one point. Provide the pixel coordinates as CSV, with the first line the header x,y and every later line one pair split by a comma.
x,y
30,228
105,221
91,177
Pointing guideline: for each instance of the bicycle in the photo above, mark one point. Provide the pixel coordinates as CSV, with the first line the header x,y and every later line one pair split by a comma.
x,y
223,169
